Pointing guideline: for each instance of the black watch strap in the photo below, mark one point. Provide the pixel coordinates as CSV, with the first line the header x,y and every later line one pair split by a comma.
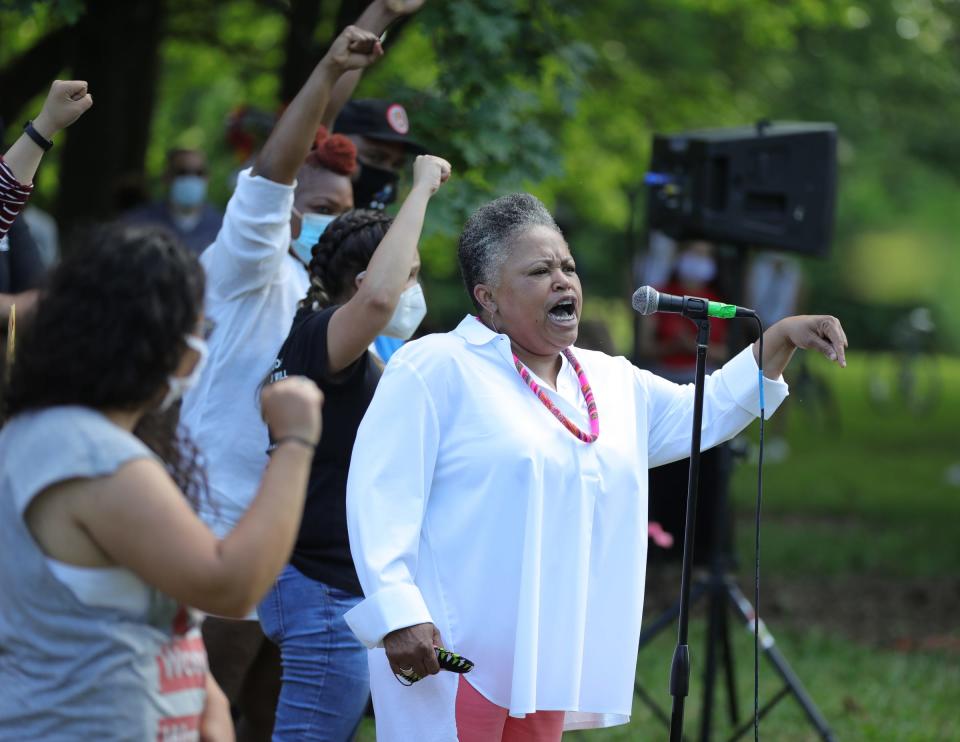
x,y
41,141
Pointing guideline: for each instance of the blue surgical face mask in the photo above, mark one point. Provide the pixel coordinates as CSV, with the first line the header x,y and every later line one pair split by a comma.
x,y
311,227
188,191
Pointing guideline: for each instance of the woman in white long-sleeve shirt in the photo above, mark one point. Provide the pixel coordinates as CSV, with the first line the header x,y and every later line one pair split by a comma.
x,y
497,496
255,276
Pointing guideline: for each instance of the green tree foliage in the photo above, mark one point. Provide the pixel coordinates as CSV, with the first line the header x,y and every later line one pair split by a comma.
x,y
562,98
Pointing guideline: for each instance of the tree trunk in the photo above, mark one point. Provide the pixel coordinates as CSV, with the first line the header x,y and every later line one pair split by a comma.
x,y
32,72
348,12
117,51
302,52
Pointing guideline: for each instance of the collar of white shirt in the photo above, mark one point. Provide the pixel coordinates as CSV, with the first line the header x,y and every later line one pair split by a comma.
x,y
477,333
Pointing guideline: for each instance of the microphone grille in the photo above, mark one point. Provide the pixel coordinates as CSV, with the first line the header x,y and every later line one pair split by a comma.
x,y
646,299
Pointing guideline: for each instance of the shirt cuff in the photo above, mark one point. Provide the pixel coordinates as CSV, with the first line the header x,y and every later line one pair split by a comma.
x,y
392,608
740,376
9,182
262,193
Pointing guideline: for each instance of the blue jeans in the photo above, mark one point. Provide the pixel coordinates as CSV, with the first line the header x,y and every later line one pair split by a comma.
x,y
326,682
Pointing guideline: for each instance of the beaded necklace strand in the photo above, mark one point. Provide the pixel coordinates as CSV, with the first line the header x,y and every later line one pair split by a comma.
x,y
584,388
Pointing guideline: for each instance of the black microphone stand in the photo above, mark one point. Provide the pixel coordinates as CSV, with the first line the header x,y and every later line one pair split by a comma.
x,y
680,666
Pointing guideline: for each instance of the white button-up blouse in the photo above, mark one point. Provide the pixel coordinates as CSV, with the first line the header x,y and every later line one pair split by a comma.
x,y
471,506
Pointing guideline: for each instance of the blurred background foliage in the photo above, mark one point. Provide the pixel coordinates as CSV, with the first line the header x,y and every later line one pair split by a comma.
x,y
560,98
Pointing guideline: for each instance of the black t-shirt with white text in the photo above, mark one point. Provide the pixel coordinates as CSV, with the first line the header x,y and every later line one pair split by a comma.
x,y
322,551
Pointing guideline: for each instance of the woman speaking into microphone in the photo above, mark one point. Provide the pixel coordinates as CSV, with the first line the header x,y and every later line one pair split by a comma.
x,y
497,496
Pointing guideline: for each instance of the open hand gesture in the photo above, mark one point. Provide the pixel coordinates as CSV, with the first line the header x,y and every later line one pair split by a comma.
x,y
817,332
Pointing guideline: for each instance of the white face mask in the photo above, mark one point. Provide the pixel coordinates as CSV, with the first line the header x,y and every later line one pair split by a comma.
x,y
410,311
177,386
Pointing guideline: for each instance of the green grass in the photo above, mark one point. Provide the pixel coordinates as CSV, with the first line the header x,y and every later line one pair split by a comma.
x,y
867,501
869,495
864,694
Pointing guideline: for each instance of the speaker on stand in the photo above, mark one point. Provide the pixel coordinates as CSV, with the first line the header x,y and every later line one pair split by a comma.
x,y
770,186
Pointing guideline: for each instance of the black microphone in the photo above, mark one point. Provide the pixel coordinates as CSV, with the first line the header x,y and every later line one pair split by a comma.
x,y
647,300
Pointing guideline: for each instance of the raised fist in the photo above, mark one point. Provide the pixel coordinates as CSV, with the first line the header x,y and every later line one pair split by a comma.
x,y
291,407
65,103
430,172
353,49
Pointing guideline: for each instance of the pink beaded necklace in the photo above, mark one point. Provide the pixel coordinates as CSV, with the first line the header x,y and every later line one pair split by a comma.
x,y
584,388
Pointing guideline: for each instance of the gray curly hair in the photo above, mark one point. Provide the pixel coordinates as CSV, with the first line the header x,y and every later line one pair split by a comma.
x,y
485,240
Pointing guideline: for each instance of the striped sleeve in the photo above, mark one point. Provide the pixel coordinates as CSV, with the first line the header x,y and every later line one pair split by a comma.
x,y
13,197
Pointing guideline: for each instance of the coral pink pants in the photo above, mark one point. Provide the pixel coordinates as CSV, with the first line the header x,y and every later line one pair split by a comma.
x,y
479,720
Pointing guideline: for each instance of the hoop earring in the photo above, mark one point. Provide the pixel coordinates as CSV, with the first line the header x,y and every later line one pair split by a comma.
x,y
494,324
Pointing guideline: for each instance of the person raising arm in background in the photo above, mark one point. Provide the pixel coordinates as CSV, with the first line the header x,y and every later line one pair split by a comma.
x,y
363,275
257,274
66,102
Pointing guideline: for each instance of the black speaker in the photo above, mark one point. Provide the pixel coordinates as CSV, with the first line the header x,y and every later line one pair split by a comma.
x,y
772,185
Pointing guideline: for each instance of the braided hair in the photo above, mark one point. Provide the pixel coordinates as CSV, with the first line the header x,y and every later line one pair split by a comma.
x,y
344,250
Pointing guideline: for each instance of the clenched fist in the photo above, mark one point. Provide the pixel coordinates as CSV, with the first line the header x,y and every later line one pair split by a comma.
x,y
66,102
353,49
430,173
291,408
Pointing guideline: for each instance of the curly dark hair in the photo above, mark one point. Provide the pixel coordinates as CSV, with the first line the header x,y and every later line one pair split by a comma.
x,y
109,330
344,249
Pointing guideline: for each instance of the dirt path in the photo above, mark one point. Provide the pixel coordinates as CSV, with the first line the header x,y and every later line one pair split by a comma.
x,y
907,615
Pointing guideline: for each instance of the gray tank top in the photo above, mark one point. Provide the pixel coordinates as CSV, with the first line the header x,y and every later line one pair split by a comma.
x,y
70,671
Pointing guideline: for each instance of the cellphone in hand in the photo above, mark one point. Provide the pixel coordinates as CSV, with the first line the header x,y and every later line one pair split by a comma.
x,y
452,662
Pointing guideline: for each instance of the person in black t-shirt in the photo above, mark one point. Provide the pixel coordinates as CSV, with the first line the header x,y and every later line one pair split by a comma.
x,y
363,276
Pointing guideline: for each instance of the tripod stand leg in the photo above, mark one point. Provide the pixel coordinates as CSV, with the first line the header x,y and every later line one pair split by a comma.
x,y
767,644
728,667
715,610
661,622
666,619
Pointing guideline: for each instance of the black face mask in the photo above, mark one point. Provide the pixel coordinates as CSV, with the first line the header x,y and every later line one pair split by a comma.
x,y
375,188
